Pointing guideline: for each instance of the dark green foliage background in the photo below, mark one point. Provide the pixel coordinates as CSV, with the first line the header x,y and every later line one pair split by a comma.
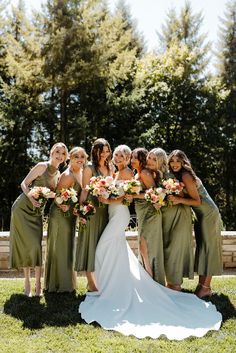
x,y
75,71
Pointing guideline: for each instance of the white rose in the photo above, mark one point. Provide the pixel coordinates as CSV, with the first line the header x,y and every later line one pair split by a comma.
x,y
59,200
74,199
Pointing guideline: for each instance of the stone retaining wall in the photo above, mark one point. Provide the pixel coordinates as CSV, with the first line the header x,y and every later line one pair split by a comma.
x,y
228,248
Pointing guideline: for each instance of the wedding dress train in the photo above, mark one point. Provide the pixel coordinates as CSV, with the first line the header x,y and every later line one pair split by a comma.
x,y
131,302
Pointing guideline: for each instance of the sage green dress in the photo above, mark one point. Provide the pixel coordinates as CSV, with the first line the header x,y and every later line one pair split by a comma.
x,y
89,236
177,242
150,227
59,264
207,227
26,229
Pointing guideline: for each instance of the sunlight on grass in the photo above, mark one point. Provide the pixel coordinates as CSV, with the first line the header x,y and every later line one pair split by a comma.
x,y
52,324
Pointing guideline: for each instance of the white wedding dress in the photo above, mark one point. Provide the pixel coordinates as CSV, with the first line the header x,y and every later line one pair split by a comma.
x,y
130,302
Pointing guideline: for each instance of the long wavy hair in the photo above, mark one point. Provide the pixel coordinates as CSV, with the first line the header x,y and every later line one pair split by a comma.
x,y
162,161
141,156
185,162
97,149
55,146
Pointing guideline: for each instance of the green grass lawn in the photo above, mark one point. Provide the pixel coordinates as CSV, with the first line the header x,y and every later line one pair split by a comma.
x,y
52,324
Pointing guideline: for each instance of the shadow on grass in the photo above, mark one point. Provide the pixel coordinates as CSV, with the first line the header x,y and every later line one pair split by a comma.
x,y
57,310
62,309
222,303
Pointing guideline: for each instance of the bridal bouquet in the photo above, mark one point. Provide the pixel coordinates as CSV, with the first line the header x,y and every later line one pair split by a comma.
x,y
40,194
131,187
156,196
66,197
105,187
172,187
83,212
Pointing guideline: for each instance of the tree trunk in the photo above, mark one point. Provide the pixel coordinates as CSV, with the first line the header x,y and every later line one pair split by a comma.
x,y
63,127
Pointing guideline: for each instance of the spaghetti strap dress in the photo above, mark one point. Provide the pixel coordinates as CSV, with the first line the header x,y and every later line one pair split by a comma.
x,y
89,236
178,242
26,229
207,227
59,265
150,227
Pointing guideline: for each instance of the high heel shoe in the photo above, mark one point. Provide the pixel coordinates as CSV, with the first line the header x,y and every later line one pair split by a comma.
x,y
203,291
176,287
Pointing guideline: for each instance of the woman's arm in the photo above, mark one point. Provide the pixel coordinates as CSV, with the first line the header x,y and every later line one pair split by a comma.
x,y
147,180
87,175
193,198
36,171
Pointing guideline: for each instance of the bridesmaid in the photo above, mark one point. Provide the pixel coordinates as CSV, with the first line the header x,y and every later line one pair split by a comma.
x,y
149,221
59,266
177,234
88,238
208,256
26,227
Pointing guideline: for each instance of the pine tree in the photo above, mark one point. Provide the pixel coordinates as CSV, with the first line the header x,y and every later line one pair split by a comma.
x,y
20,103
185,29
227,73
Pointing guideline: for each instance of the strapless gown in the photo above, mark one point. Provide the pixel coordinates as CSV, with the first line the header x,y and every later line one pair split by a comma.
x,y
131,302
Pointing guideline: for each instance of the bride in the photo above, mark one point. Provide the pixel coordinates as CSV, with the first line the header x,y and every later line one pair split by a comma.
x,y
129,300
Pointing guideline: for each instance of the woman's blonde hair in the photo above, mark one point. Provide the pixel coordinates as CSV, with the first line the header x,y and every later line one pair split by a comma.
x,y
162,160
60,145
75,150
125,152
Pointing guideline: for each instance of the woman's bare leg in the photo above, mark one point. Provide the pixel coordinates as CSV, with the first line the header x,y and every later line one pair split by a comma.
x,y
38,272
27,290
144,253
91,286
204,287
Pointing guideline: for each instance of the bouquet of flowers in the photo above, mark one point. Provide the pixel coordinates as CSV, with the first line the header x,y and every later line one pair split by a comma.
x,y
172,187
156,196
40,194
83,212
105,187
66,197
131,187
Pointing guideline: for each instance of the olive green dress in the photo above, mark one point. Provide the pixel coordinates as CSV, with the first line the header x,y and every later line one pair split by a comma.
x,y
208,255
89,236
150,227
178,242
59,264
26,229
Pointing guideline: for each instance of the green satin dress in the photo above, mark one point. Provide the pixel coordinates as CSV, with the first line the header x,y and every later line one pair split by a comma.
x,y
26,229
178,242
207,227
59,273
150,227
89,236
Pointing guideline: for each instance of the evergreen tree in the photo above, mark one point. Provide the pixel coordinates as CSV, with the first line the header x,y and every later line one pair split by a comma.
x,y
227,73
185,29
19,103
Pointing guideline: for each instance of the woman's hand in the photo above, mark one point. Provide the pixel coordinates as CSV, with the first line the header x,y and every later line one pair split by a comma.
x,y
175,199
102,200
128,197
64,208
34,202
156,206
51,195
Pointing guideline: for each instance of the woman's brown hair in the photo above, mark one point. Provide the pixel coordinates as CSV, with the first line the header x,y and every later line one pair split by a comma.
x,y
185,162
